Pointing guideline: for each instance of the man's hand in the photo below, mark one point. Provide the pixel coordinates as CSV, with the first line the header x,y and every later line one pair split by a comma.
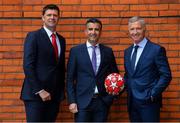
x,y
73,108
45,96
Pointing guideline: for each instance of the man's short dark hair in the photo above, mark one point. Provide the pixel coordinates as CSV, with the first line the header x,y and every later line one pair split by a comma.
x,y
50,6
94,20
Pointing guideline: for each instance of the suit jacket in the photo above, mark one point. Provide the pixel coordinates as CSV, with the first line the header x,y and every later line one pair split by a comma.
x,y
81,79
152,74
41,69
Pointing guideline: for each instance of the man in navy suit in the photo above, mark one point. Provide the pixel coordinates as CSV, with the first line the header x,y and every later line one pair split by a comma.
x,y
44,68
88,66
147,74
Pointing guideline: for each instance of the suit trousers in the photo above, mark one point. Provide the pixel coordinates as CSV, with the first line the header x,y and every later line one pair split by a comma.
x,y
97,111
39,111
144,111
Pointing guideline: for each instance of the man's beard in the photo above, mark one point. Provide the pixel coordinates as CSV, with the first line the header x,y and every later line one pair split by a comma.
x,y
92,41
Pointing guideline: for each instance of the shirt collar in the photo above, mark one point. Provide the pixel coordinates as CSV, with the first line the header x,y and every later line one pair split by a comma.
x,y
89,45
49,32
142,43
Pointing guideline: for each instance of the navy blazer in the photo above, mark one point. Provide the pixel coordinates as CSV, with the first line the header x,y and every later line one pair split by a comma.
x,y
81,79
152,74
41,69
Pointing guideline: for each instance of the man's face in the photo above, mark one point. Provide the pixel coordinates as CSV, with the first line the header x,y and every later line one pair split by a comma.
x,y
93,32
136,31
50,18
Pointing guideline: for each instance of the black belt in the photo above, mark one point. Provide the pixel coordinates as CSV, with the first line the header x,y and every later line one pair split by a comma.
x,y
95,95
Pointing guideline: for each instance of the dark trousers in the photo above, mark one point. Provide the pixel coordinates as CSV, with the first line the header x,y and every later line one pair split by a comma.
x,y
144,111
97,111
38,111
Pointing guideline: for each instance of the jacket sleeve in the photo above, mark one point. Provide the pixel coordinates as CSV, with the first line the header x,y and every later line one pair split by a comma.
x,y
71,70
29,62
165,77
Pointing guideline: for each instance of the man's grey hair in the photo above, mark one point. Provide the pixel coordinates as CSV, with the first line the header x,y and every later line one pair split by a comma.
x,y
135,19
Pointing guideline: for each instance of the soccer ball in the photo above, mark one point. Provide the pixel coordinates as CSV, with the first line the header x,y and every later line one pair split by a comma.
x,y
114,83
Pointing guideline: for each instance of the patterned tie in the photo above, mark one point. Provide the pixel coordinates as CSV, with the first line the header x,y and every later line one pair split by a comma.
x,y
55,45
133,59
94,59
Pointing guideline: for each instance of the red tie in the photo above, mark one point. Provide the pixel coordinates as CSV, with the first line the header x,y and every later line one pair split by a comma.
x,y
55,45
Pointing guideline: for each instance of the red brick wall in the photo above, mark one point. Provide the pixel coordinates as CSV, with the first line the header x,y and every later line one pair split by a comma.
x,y
17,17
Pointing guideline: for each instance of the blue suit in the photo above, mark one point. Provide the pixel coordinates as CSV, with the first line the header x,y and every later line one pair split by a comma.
x,y
42,71
81,79
146,84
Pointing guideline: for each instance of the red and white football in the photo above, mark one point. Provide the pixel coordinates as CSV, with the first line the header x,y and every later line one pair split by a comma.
x,y
114,83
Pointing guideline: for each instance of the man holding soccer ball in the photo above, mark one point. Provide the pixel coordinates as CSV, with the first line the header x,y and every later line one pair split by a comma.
x,y
88,66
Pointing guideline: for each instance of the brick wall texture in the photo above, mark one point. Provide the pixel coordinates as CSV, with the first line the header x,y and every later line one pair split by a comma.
x,y
17,17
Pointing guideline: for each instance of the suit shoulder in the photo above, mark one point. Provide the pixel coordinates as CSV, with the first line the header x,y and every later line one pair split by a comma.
x,y
155,45
128,48
105,47
32,38
34,33
79,46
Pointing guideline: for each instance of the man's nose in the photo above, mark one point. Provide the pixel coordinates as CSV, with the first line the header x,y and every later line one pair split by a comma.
x,y
135,31
52,16
93,31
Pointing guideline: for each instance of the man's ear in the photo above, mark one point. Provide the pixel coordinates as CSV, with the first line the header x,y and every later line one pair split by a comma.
x,y
85,31
42,17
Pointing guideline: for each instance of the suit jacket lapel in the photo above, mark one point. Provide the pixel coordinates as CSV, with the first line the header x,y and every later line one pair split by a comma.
x,y
45,38
61,46
101,48
129,60
86,57
142,57
47,42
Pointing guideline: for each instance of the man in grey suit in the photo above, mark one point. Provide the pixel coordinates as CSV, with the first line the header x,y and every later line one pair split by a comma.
x,y
88,66
147,74
44,68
